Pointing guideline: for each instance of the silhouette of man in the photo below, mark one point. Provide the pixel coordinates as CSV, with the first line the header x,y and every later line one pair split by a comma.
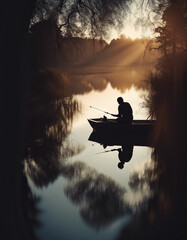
x,y
125,154
125,114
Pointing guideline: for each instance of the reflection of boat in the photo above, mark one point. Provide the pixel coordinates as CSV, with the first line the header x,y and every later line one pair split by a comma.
x,y
109,133
108,139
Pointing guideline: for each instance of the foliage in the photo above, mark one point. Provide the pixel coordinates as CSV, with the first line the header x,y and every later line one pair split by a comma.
x,y
82,17
172,35
168,81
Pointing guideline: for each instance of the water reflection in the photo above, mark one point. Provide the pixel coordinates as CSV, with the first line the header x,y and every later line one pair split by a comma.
x,y
122,78
49,123
100,199
29,210
140,137
140,180
125,154
19,208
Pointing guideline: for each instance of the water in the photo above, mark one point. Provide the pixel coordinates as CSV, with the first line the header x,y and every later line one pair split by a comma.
x,y
88,196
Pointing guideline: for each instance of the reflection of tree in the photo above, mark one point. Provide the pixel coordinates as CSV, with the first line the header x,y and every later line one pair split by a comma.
x,y
146,179
50,110
81,84
100,199
49,123
20,211
97,78
163,213
30,210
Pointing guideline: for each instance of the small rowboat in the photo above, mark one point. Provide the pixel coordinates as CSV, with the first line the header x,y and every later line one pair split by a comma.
x,y
110,132
112,125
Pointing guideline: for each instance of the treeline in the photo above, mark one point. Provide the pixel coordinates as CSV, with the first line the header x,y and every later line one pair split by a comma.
x,y
126,51
79,50
51,49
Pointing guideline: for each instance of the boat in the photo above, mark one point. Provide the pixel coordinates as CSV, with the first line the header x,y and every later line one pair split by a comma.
x,y
109,132
112,125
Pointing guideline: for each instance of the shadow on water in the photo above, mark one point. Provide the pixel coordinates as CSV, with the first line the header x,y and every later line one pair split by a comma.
x,y
125,141
125,153
139,135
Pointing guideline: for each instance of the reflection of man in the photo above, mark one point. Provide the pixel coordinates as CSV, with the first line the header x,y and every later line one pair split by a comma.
x,y
125,114
125,154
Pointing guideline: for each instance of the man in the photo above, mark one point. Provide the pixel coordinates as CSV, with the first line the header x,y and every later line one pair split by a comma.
x,y
125,114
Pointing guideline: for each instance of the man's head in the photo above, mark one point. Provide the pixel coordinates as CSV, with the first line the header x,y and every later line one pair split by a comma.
x,y
119,100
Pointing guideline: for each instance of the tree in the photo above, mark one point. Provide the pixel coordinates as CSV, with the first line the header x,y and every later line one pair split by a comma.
x,y
80,18
172,35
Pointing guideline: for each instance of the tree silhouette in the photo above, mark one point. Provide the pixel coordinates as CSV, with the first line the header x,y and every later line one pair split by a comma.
x,y
163,216
82,17
172,36
166,209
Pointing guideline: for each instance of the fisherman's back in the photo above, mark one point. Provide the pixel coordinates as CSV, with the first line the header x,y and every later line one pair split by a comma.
x,y
125,112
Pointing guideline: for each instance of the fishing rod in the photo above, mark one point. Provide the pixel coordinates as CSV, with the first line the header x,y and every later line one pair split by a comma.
x,y
101,110
115,149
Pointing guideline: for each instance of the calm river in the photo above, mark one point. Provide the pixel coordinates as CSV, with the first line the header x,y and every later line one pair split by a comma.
x,y
89,197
